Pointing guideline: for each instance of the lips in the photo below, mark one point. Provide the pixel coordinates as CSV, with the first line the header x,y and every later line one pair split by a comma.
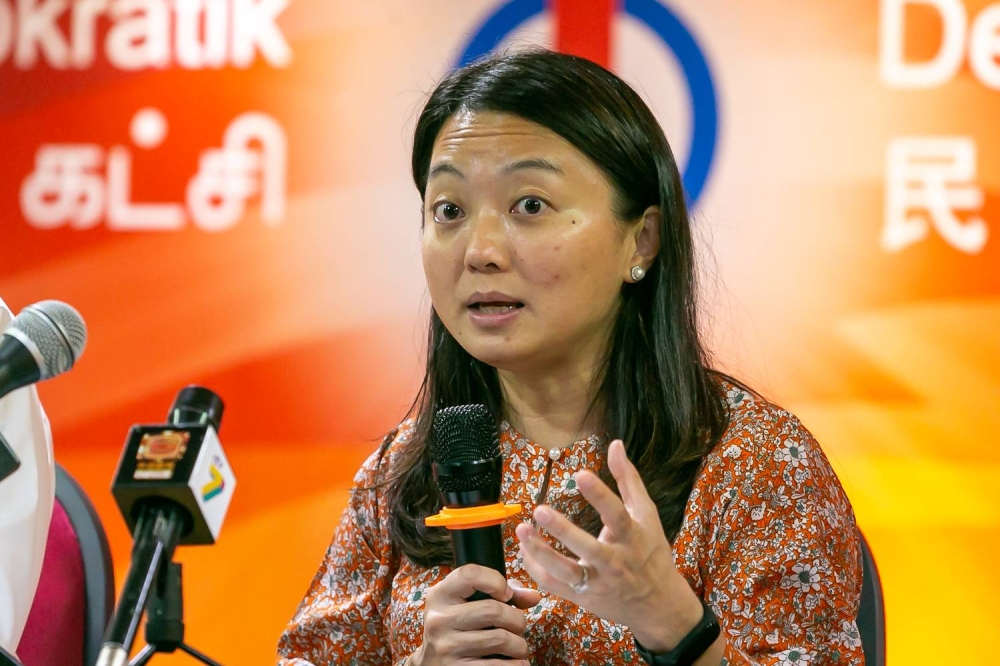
x,y
495,307
493,302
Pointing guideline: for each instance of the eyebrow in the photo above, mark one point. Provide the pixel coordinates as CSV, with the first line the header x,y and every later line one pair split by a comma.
x,y
536,163
440,169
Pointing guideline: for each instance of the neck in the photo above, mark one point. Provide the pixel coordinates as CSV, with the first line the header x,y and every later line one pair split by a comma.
x,y
552,409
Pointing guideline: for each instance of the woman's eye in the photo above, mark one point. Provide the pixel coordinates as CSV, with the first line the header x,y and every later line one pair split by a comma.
x,y
530,206
446,212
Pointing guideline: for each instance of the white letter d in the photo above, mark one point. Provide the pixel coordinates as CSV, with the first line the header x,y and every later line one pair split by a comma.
x,y
937,71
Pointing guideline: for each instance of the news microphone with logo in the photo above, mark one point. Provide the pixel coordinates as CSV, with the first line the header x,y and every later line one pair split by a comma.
x,y
468,468
43,341
173,486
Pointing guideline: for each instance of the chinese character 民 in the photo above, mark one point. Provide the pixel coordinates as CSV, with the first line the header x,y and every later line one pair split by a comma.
x,y
928,179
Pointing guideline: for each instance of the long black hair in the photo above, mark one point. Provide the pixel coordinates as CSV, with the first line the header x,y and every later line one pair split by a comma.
x,y
655,390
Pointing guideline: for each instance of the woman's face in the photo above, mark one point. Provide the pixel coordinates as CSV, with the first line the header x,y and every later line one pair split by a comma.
x,y
524,258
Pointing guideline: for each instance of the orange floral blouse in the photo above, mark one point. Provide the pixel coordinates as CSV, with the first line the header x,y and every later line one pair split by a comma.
x,y
768,539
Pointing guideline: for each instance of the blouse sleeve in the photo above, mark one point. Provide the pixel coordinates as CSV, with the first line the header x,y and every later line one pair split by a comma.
x,y
340,620
784,564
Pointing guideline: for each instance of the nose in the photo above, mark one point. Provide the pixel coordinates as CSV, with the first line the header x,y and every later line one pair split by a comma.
x,y
487,248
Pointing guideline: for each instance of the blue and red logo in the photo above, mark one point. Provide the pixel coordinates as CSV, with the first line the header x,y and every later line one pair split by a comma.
x,y
584,27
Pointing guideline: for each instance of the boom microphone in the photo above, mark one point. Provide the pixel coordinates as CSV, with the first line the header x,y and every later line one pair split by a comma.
x,y
173,486
43,341
468,469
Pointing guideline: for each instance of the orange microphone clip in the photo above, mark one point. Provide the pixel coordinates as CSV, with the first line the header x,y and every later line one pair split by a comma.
x,y
474,516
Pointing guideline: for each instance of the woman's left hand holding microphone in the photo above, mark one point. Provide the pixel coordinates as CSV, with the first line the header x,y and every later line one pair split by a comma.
x,y
626,574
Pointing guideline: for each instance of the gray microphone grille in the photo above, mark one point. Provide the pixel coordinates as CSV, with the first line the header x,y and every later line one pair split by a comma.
x,y
57,332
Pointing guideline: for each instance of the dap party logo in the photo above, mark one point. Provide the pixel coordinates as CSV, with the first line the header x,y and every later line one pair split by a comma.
x,y
585,26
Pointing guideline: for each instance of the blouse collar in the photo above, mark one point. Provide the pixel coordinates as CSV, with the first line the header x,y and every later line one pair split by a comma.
x,y
587,446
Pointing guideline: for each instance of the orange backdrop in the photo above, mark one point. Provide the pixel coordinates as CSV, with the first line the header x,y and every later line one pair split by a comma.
x,y
849,261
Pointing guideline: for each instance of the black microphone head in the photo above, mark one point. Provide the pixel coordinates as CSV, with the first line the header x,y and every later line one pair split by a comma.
x,y
196,404
465,445
53,332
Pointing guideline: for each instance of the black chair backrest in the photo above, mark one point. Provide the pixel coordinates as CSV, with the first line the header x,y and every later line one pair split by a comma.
x,y
871,613
98,570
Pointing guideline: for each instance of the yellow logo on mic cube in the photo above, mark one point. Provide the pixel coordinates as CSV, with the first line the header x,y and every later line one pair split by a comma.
x,y
215,486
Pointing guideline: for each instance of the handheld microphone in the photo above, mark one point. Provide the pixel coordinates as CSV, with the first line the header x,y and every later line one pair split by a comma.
x,y
173,486
43,341
468,469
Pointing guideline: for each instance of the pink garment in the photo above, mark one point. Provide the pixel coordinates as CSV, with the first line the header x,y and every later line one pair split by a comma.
x,y
53,635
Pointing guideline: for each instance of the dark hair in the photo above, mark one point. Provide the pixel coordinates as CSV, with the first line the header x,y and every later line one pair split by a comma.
x,y
655,390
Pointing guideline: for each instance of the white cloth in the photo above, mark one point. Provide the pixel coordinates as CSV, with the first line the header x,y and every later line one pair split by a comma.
x,y
26,499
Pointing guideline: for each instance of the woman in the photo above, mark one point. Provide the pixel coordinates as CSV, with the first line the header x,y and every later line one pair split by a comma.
x,y
559,261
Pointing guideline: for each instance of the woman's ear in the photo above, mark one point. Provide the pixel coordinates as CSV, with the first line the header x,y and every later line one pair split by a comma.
x,y
647,238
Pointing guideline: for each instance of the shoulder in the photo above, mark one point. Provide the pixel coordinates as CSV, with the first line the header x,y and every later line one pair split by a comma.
x,y
367,508
767,485
374,472
758,429
372,481
763,449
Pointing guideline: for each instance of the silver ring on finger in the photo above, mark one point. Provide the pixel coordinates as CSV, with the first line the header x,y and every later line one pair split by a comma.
x,y
581,586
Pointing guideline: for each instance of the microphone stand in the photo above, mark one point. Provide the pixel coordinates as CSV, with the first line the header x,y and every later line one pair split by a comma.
x,y
153,578
165,623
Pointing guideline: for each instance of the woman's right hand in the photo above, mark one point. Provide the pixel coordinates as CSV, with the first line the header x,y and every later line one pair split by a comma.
x,y
456,630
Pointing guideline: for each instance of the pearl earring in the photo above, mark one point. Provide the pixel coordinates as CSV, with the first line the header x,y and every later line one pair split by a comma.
x,y
638,272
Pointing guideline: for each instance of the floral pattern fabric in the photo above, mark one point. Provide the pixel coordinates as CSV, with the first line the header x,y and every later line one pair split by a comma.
x,y
768,540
